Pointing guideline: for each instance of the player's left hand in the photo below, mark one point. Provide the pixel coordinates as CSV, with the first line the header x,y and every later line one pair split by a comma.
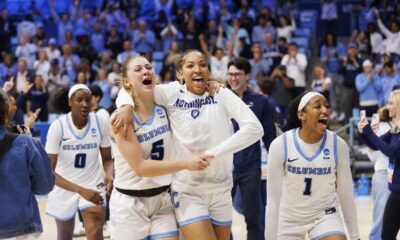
x,y
109,183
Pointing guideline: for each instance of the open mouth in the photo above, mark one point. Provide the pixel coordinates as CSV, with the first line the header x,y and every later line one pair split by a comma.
x,y
147,81
323,121
198,79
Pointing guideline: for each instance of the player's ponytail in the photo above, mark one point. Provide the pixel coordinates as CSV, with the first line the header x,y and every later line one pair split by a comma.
x,y
60,100
292,120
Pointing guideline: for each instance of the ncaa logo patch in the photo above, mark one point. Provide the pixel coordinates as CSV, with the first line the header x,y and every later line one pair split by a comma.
x,y
326,152
195,113
93,131
160,112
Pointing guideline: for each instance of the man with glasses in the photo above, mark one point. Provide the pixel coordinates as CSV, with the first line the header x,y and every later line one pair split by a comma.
x,y
247,163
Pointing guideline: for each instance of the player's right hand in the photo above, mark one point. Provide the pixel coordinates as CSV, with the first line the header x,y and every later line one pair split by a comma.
x,y
91,195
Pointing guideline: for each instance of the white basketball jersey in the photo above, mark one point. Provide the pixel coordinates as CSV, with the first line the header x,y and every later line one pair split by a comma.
x,y
155,140
309,181
79,150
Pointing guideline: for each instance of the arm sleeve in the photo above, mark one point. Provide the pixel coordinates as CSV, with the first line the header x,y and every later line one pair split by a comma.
x,y
124,98
54,137
391,150
250,130
302,62
41,173
345,190
274,187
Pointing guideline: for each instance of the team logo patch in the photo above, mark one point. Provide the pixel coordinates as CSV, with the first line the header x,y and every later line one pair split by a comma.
x,y
195,113
326,152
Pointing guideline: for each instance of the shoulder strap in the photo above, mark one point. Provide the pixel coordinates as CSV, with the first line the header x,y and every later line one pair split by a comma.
x,y
6,143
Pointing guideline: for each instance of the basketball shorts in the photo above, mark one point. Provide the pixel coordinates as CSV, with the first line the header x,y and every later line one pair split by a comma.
x,y
141,217
194,207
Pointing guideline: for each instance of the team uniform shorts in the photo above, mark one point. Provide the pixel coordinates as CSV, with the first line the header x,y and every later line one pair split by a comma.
x,y
142,217
327,223
194,207
63,204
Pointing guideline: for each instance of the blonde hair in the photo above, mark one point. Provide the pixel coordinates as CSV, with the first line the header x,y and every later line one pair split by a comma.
x,y
181,61
126,85
395,95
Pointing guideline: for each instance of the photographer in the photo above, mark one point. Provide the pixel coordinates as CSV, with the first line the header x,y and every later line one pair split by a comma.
x,y
25,170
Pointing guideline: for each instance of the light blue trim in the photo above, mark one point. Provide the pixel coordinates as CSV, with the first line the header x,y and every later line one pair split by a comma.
x,y
329,233
98,125
163,235
284,147
149,122
335,154
61,219
296,143
221,223
72,131
192,220
62,130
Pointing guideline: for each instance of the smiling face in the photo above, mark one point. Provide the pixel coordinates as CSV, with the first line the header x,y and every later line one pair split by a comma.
x,y
138,75
237,79
315,115
193,70
80,103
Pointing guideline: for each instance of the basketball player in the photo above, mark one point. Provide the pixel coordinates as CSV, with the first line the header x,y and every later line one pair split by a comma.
x,y
308,173
74,142
201,123
141,206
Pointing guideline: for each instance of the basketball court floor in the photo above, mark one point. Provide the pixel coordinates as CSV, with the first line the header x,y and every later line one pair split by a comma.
x,y
363,204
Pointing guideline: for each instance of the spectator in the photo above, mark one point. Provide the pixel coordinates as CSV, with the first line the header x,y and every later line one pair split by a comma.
x,y
143,40
97,39
296,64
361,39
84,49
281,90
350,69
57,77
168,35
104,84
26,50
69,61
332,53
81,78
52,50
368,86
190,36
219,64
321,83
26,159
105,62
114,41
270,50
7,68
40,37
375,39
389,80
379,67
329,16
392,46
258,65
260,30
26,27
284,29
42,66
37,99
64,24
214,36
23,75
69,39
128,52
7,30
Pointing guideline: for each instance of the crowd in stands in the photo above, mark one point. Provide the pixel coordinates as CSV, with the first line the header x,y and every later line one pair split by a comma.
x,y
91,44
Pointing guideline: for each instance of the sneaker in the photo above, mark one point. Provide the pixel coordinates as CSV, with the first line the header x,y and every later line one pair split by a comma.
x,y
106,231
341,117
334,115
79,230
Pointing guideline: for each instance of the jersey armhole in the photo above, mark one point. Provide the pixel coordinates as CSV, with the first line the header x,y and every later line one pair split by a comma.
x,y
62,130
335,150
98,125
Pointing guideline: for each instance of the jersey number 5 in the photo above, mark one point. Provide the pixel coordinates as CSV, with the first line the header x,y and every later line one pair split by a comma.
x,y
157,150
307,190
80,160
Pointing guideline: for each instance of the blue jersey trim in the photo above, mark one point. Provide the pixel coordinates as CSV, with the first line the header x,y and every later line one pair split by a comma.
x,y
192,220
296,143
335,151
76,135
284,147
61,218
62,130
221,223
163,235
98,126
148,122
329,233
